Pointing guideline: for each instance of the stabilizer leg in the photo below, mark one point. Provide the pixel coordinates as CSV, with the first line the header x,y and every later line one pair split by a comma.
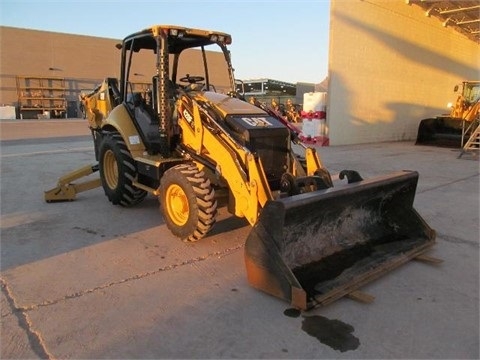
x,y
66,190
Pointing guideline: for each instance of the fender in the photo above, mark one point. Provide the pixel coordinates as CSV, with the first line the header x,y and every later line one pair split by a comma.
x,y
120,120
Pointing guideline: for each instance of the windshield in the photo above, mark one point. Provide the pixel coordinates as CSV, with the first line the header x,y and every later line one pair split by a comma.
x,y
208,64
471,92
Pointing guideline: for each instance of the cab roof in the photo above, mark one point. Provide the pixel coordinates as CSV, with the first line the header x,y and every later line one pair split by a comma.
x,y
179,38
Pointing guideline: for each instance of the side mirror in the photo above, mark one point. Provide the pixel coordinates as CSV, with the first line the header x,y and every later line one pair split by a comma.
x,y
455,89
240,89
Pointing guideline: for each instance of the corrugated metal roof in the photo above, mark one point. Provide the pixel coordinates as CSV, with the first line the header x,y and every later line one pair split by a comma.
x,y
462,15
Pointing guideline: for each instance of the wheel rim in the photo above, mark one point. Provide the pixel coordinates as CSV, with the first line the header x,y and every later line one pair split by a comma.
x,y
177,205
110,169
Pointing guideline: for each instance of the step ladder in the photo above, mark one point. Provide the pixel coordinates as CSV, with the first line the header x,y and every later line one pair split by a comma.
x,y
473,142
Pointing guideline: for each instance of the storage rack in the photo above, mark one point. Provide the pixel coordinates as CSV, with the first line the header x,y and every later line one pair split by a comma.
x,y
43,96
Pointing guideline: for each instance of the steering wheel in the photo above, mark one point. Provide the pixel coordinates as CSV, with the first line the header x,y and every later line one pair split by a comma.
x,y
192,79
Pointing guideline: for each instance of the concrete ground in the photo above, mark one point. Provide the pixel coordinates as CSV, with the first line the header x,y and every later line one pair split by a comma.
x,y
87,279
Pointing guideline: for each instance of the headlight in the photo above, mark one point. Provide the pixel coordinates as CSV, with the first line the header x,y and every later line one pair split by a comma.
x,y
176,32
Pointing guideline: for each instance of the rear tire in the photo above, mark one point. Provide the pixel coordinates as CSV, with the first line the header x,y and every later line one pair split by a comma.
x,y
117,171
187,202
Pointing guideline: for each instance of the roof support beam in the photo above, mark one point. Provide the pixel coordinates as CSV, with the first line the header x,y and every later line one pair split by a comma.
x,y
461,15
454,11
427,13
467,22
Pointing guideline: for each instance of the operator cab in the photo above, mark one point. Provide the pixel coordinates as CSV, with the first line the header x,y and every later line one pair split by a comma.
x,y
152,105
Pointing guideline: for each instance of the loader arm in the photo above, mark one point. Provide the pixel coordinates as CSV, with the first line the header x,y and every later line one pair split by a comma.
x,y
472,111
246,177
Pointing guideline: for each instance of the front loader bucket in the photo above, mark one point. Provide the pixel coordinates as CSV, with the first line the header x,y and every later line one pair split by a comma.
x,y
441,132
314,248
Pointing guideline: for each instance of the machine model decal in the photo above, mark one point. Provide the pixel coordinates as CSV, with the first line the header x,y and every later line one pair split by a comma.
x,y
257,121
187,116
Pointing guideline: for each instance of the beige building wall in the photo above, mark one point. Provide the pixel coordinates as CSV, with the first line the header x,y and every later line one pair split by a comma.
x,y
82,60
389,67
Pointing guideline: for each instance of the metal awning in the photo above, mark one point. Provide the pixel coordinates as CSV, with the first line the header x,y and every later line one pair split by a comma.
x,y
461,15
268,87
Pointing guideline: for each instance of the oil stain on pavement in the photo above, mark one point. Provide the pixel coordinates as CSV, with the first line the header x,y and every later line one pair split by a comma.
x,y
333,333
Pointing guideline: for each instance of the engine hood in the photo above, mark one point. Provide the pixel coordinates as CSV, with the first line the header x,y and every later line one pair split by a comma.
x,y
232,106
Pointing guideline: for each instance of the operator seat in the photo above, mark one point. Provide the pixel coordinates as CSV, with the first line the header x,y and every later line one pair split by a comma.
x,y
146,115
145,121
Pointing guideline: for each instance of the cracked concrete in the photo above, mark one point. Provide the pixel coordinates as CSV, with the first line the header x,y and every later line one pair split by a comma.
x,y
89,280
134,277
24,329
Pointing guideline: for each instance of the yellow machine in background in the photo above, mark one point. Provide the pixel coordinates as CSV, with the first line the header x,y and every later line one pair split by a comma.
x,y
197,148
453,129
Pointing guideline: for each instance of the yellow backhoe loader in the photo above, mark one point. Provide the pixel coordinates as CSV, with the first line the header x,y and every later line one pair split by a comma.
x,y
452,130
192,141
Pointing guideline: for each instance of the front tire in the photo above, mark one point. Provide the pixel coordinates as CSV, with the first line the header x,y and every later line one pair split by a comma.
x,y
187,202
117,171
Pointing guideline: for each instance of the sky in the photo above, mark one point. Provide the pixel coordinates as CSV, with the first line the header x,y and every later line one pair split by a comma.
x,y
284,40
